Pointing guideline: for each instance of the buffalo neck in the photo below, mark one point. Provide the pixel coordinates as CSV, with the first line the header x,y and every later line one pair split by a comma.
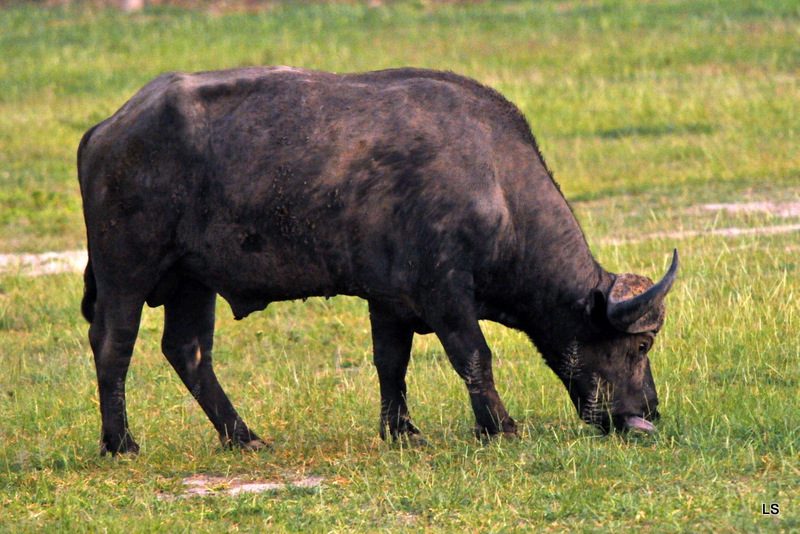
x,y
557,270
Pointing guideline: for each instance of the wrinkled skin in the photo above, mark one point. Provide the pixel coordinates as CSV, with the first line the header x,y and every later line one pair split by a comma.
x,y
613,382
420,191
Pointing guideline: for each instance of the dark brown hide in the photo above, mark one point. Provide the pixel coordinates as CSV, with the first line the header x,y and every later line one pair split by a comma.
x,y
421,191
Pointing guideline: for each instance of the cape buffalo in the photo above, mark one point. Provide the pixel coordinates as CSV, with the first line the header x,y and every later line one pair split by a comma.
x,y
422,192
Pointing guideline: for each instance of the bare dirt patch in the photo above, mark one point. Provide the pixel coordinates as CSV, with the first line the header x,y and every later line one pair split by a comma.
x,y
783,210
207,485
725,232
779,209
70,261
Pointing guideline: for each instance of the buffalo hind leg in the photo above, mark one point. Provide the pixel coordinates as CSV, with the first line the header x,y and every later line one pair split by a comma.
x,y
112,336
391,342
451,313
187,343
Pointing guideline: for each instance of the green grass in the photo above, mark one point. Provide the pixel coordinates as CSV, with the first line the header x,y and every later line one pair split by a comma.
x,y
645,111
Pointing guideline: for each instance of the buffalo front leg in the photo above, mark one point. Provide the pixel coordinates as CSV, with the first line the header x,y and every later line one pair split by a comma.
x,y
451,313
112,336
187,343
391,342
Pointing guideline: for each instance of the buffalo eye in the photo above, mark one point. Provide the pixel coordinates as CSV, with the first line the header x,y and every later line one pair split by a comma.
x,y
644,346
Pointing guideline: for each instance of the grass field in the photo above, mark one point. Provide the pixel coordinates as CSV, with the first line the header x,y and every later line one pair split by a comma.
x,y
667,123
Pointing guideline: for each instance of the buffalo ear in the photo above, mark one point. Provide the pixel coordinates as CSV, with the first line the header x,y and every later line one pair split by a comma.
x,y
595,307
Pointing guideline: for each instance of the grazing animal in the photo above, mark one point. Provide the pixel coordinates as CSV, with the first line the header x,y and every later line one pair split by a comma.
x,y
422,192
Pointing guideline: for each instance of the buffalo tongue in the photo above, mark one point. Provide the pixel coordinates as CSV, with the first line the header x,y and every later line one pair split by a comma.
x,y
635,422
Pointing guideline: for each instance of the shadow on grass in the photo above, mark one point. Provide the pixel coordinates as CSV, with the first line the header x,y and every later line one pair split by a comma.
x,y
655,130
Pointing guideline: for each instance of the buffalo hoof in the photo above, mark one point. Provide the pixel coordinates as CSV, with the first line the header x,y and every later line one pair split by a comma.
x,y
412,440
112,446
509,431
255,445
404,432
485,437
250,443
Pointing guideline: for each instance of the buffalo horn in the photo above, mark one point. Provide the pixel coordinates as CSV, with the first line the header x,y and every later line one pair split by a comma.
x,y
634,307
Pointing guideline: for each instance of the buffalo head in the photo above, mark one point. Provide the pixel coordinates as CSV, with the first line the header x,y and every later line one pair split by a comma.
x,y
606,369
